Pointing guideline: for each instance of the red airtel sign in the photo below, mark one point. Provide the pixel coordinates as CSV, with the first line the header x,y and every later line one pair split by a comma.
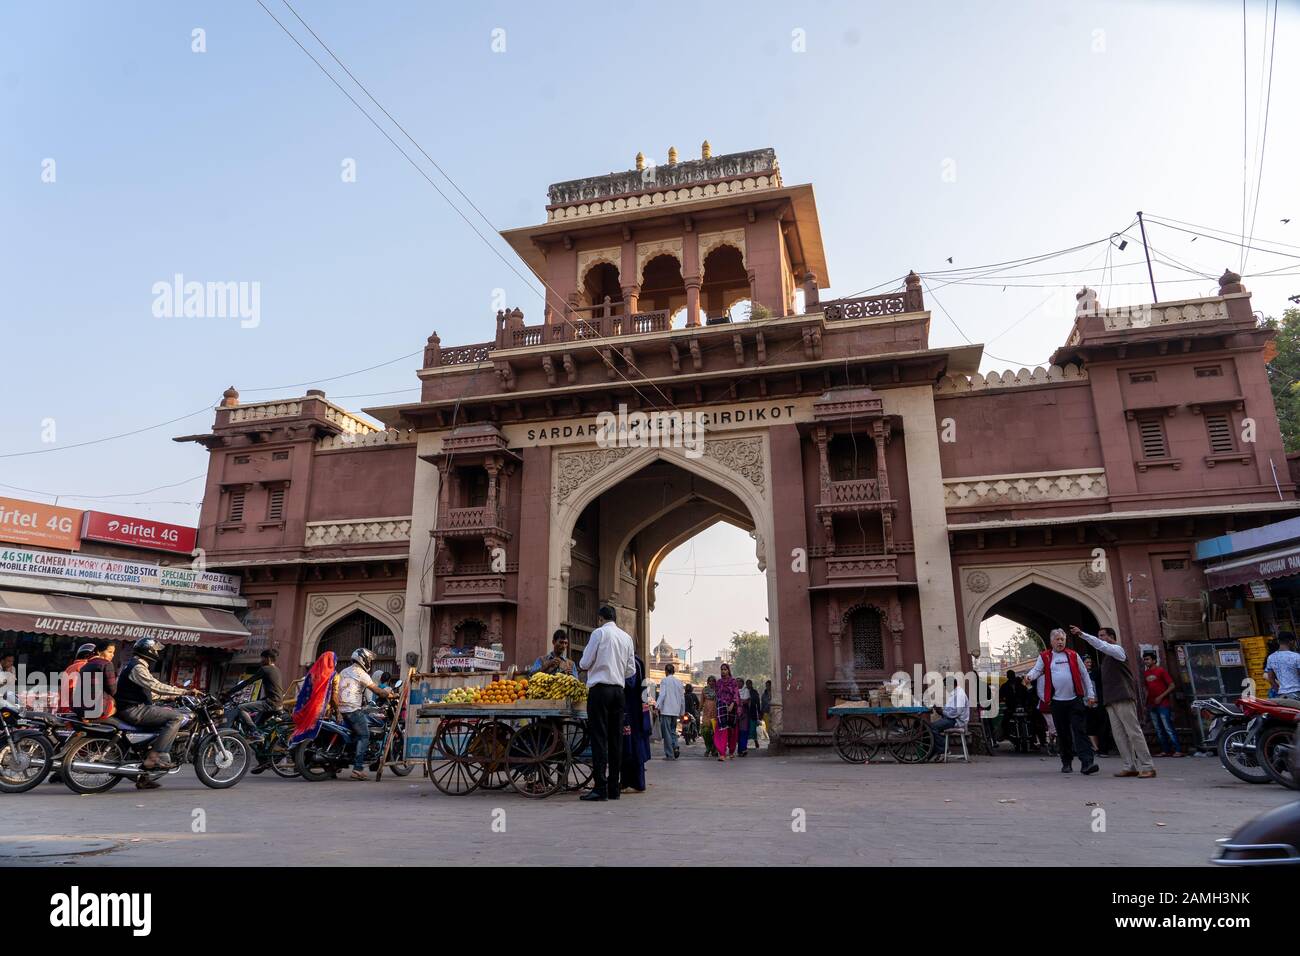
x,y
120,529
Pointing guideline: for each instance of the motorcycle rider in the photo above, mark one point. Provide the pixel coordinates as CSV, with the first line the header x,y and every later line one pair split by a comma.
x,y
350,699
248,716
137,691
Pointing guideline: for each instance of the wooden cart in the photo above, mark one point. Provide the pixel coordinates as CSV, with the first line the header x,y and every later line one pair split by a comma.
x,y
537,748
862,732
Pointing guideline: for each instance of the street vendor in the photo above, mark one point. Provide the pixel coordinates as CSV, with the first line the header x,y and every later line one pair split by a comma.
x,y
557,661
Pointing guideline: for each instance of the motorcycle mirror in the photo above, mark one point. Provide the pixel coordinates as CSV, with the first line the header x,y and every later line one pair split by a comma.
x,y
187,684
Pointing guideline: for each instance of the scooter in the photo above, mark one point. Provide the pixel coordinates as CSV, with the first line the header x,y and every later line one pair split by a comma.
x,y
1018,730
690,729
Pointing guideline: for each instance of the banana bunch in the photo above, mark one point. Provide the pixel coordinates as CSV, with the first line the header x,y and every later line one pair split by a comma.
x,y
546,687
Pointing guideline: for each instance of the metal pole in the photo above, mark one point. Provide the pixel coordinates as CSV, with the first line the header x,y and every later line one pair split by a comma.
x,y
1155,299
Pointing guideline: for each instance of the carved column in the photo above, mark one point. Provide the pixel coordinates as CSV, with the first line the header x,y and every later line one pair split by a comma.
x,y
692,301
835,625
824,465
895,621
632,296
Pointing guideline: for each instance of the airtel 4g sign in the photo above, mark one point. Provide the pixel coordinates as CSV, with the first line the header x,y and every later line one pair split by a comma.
x,y
120,529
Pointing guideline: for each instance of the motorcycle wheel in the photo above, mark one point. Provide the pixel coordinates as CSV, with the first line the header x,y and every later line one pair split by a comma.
x,y
91,750
25,762
1276,755
1240,763
281,757
303,756
221,770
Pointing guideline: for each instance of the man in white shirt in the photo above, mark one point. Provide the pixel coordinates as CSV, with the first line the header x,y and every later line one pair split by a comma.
x,y
1064,683
955,713
670,703
609,660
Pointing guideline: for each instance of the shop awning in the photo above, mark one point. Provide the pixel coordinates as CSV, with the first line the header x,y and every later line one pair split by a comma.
x,y
1258,567
92,618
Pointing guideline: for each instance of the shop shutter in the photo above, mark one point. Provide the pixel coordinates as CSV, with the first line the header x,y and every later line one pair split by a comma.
x,y
1220,428
1151,431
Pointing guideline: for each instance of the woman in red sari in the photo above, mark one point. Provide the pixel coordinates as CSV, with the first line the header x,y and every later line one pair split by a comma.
x,y
726,736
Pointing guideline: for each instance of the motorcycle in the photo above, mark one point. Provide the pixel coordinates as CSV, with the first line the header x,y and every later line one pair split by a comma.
x,y
1272,729
1019,731
1228,735
28,745
330,748
690,729
104,752
269,739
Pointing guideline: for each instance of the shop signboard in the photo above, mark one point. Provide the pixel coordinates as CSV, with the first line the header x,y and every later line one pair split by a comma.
x,y
32,523
89,569
1259,591
138,532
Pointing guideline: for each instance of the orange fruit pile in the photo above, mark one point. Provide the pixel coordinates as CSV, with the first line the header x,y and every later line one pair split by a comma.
x,y
502,692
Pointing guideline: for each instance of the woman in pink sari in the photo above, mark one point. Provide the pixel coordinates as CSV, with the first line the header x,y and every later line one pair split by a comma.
x,y
727,734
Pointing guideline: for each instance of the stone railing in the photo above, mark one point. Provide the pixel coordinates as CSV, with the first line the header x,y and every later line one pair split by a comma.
x,y
665,197
488,584
860,489
984,491
865,566
261,410
1053,374
351,424
376,439
872,306
466,354
358,531
469,519
1166,313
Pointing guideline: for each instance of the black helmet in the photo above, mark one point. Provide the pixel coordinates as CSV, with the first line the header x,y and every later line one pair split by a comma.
x,y
147,648
364,657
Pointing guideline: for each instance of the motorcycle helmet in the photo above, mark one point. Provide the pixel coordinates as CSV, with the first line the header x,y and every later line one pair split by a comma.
x,y
364,658
148,649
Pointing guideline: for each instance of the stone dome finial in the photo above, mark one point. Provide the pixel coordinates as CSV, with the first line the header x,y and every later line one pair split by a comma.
x,y
640,161
672,155
913,281
706,150
1085,301
230,398
1230,283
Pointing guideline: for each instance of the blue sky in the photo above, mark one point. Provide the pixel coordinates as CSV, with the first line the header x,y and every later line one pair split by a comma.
x,y
1059,120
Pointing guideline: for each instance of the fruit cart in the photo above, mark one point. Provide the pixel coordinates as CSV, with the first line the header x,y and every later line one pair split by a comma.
x,y
535,747
862,732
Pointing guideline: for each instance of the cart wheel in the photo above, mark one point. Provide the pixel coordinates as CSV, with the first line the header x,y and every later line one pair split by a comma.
x,y
857,739
490,749
908,738
537,759
449,764
577,760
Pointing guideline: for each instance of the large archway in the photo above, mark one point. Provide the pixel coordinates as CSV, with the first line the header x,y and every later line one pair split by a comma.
x,y
614,529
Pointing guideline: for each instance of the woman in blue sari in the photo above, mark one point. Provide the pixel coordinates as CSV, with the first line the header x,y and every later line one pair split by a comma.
x,y
636,731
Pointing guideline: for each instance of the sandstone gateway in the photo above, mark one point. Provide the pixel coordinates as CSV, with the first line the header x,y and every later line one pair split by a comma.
x,y
896,497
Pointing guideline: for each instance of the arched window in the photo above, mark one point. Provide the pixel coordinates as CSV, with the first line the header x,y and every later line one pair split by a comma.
x,y
866,630
359,629
471,632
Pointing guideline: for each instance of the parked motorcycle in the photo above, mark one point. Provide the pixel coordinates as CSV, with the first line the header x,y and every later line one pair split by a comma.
x,y
329,750
1229,735
690,728
1273,729
1019,731
104,752
27,747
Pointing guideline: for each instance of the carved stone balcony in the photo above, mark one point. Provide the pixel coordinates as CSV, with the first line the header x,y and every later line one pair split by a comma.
x,y
850,497
471,523
862,566
473,586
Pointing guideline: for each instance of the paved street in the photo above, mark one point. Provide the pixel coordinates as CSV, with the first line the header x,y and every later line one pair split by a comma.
x,y
998,811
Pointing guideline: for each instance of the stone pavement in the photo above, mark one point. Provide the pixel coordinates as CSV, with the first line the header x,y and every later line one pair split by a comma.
x,y
999,811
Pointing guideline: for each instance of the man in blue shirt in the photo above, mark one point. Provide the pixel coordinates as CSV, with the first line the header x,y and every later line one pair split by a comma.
x,y
1283,667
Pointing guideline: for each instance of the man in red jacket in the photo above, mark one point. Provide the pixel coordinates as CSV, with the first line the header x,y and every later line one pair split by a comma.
x,y
1064,683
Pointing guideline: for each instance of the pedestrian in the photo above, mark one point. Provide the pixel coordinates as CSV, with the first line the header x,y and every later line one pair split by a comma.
x,y
1283,671
1064,685
609,660
1095,720
68,696
727,736
98,683
742,718
636,730
8,677
670,703
1121,703
709,715
1160,688
755,712
955,713
766,704
692,704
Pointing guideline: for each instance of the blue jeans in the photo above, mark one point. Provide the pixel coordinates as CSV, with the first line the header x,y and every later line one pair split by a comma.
x,y
1162,719
668,730
360,728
